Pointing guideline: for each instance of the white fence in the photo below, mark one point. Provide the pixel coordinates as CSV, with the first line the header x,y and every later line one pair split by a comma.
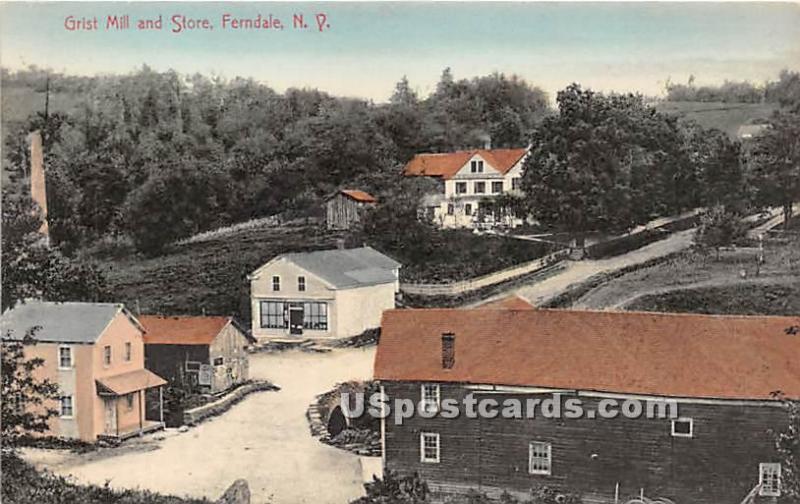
x,y
462,286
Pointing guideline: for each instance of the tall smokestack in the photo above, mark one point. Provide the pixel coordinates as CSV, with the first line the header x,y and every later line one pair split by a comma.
x,y
38,187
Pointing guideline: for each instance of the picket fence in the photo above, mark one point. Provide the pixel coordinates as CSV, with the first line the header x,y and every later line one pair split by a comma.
x,y
472,284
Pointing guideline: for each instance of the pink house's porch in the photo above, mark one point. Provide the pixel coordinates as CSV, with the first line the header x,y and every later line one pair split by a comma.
x,y
123,398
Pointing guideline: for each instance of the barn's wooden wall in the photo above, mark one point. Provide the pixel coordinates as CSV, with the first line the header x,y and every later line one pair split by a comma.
x,y
719,464
343,212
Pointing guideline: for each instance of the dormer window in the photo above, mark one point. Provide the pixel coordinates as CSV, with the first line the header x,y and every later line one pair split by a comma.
x,y
476,166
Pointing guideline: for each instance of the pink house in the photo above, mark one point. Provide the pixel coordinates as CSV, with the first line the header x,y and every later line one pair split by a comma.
x,y
95,353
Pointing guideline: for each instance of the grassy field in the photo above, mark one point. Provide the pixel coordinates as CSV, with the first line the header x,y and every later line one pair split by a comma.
x,y
726,117
211,276
696,281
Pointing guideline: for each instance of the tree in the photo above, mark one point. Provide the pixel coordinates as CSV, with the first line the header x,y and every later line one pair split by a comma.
x,y
32,269
720,228
27,401
775,163
606,163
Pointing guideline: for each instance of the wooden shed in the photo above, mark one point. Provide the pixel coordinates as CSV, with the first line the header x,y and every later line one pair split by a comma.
x,y
346,206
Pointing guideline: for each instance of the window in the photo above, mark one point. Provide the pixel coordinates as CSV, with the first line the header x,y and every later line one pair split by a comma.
x,y
272,315
276,283
683,427
497,187
66,407
106,355
450,209
480,187
129,402
476,166
128,351
515,183
315,316
192,366
461,188
219,361
301,283
429,447
540,458
769,477
430,398
468,209
64,357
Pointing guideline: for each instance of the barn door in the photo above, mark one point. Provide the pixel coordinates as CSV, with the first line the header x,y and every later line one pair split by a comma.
x,y
296,319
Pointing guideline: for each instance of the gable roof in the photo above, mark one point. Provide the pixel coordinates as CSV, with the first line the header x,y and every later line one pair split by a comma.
x,y
69,322
672,355
185,330
359,195
512,302
344,268
446,165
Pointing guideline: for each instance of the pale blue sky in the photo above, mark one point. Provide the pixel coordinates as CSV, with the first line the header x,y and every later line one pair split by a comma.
x,y
370,46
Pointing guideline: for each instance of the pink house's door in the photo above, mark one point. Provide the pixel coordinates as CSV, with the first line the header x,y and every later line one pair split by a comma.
x,y
111,416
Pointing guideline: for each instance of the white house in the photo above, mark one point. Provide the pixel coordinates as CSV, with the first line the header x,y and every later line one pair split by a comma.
x,y
323,294
468,177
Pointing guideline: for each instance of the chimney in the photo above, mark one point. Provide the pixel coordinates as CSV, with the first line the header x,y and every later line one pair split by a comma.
x,y
448,350
38,189
487,143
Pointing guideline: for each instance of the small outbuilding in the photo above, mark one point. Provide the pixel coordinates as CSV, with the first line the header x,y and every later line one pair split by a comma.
x,y
198,354
346,207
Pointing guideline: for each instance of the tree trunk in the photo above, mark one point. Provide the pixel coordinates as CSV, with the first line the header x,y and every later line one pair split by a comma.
x,y
787,214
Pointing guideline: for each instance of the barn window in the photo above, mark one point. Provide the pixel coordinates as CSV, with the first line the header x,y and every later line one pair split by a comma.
x,y
272,315
276,283
64,357
540,458
769,477
683,427
315,316
430,398
301,283
461,188
429,447
66,407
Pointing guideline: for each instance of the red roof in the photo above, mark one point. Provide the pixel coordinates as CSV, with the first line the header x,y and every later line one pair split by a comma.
x,y
359,195
507,303
447,164
673,355
181,330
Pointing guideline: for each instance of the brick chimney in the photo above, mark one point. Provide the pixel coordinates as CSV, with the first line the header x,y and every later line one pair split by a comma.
x,y
448,350
38,187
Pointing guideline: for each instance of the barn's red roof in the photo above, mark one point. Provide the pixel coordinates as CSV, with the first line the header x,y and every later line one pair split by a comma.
x,y
181,330
673,355
513,302
447,164
359,195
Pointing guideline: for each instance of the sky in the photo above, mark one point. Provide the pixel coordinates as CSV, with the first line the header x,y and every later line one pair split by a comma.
x,y
365,48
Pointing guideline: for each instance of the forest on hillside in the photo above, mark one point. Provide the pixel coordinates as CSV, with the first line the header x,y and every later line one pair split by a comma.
x,y
156,156
783,91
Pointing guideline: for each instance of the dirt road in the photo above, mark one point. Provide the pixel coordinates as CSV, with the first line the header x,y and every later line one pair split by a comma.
x,y
264,439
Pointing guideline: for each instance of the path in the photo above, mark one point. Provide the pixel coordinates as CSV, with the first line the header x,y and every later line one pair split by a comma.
x,y
264,439
578,271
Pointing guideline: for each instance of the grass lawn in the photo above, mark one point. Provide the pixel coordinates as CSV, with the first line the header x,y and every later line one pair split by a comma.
x,y
741,299
726,117
717,286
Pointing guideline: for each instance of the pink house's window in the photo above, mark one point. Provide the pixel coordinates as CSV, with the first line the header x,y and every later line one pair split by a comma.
x,y
128,351
106,355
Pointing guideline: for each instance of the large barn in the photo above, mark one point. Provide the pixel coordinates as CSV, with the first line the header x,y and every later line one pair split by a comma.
x,y
727,376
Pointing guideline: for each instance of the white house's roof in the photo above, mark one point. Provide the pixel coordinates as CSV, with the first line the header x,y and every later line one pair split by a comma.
x,y
60,322
345,268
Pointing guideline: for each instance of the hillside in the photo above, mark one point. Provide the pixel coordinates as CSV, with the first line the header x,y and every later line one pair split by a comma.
x,y
727,117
